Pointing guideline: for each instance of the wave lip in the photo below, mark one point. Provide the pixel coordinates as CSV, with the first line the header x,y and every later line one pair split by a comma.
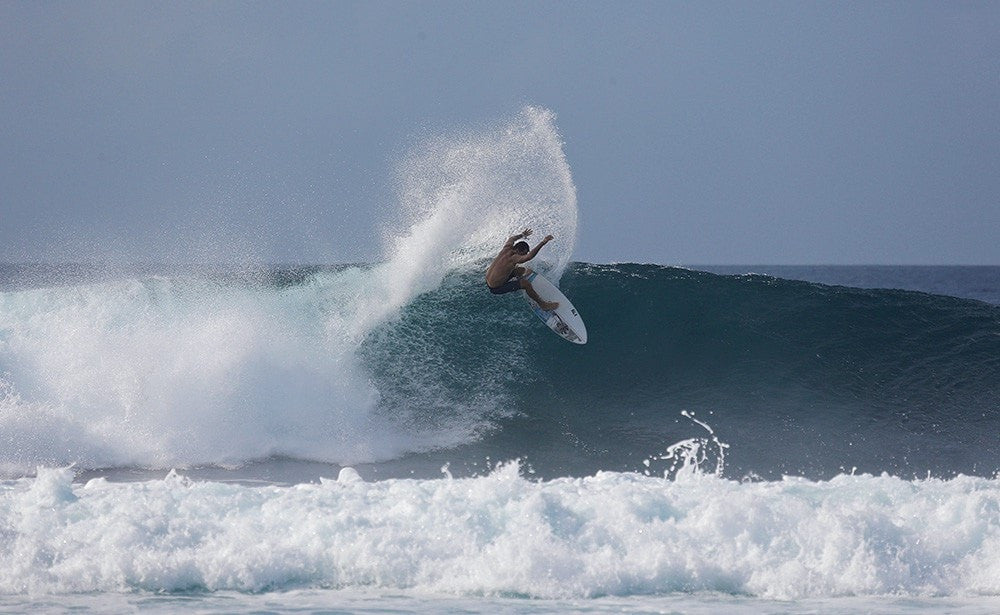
x,y
501,535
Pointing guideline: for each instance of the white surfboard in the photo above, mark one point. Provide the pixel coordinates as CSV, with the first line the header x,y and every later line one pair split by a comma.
x,y
564,320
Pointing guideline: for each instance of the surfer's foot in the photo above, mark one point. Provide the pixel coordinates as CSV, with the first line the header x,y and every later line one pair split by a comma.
x,y
548,306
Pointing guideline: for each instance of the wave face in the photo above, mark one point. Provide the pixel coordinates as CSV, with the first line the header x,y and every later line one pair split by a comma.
x,y
799,378
204,368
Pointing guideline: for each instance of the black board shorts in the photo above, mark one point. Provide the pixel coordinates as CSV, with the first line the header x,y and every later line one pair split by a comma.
x,y
513,283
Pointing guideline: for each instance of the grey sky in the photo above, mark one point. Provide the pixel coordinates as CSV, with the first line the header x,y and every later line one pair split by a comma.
x,y
764,132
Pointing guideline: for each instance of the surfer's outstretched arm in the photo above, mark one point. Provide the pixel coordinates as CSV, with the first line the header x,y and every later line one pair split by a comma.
x,y
530,255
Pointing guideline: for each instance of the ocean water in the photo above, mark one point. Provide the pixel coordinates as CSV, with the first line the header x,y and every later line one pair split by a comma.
x,y
389,437
970,282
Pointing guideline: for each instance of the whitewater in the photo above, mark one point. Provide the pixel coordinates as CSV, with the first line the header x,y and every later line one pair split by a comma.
x,y
389,436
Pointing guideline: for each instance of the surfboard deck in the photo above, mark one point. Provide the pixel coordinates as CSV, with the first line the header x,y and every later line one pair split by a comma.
x,y
564,320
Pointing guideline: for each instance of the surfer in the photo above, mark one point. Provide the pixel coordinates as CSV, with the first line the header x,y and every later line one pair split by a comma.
x,y
504,274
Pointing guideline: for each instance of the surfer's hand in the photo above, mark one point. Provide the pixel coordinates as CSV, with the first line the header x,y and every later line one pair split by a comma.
x,y
547,239
526,232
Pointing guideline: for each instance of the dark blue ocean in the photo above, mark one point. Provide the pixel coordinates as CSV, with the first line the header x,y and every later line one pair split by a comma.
x,y
745,439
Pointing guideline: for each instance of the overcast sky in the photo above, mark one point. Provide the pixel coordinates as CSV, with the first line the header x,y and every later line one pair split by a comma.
x,y
697,133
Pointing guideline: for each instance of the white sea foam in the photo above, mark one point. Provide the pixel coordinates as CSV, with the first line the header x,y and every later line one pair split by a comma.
x,y
610,534
178,371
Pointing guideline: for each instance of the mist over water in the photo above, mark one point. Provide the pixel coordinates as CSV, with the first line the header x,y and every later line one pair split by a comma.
x,y
461,196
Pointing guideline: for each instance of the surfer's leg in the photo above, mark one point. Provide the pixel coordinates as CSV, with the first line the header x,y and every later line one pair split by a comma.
x,y
545,305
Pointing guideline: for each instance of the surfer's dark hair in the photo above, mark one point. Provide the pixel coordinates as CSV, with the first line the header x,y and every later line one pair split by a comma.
x,y
521,247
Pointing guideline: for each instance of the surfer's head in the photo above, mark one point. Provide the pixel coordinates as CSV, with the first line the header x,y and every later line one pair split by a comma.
x,y
521,247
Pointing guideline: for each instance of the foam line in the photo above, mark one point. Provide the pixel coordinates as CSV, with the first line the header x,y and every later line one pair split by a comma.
x,y
610,534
